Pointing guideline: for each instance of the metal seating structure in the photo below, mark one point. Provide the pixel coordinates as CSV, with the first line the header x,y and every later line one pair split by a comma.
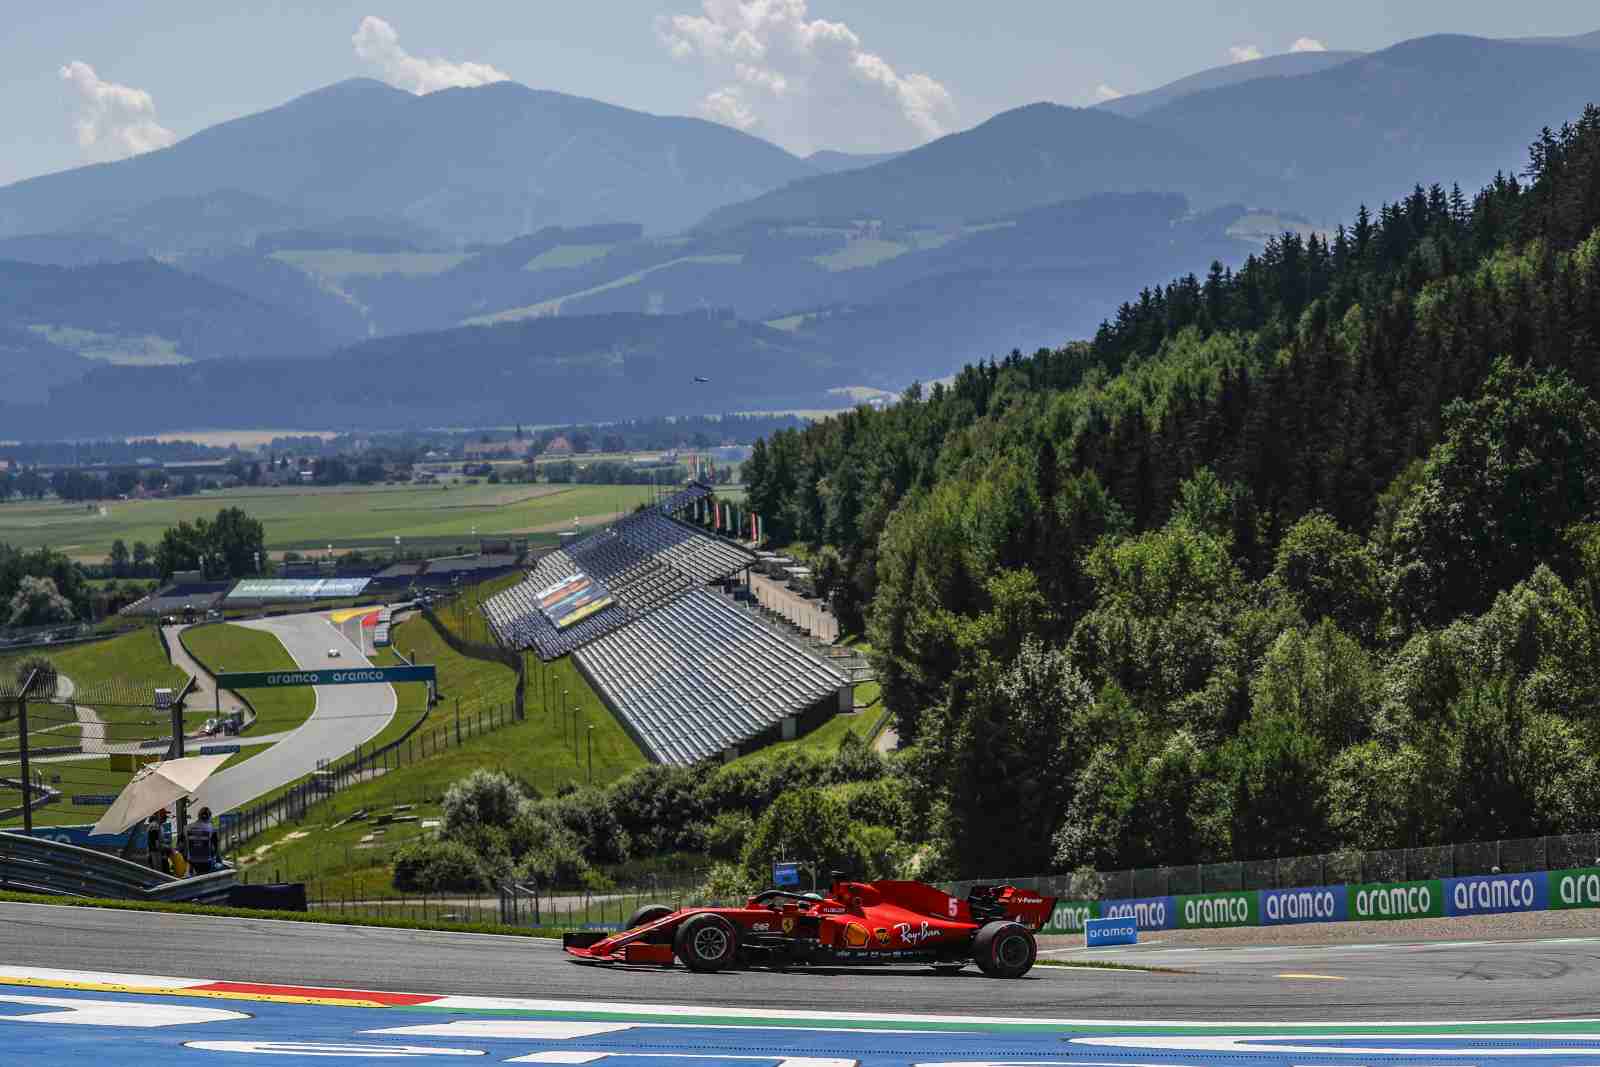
x,y
645,560
698,677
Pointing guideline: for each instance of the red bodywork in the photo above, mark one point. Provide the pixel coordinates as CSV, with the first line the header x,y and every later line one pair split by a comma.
x,y
856,923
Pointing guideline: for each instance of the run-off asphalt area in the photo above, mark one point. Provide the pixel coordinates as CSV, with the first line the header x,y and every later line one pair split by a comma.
x,y
52,1016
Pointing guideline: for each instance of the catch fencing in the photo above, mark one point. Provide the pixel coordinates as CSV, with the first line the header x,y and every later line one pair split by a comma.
x,y
423,740
1510,856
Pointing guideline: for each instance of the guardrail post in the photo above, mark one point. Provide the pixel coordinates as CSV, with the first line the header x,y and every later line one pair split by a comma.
x,y
22,736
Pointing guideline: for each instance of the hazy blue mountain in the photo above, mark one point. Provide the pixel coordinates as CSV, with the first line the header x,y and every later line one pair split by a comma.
x,y
68,249
1443,108
1019,159
1135,104
828,161
148,312
31,365
209,222
475,164
545,370
1582,40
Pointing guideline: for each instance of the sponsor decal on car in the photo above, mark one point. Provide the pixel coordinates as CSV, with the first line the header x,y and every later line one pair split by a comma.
x,y
760,928
788,925
882,934
856,935
916,937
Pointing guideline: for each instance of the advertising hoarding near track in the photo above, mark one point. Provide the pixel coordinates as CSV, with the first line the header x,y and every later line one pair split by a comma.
x,y
297,588
1484,894
327,676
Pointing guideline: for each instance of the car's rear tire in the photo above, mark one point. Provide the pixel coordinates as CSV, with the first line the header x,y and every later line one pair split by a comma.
x,y
706,942
1004,949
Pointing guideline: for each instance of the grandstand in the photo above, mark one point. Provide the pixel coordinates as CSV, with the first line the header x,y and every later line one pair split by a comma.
x,y
700,679
689,675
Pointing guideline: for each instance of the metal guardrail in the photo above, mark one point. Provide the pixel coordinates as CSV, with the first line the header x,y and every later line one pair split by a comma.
x,y
38,865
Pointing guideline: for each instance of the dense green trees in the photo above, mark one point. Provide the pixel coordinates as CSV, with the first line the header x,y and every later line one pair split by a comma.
x,y
232,545
1306,550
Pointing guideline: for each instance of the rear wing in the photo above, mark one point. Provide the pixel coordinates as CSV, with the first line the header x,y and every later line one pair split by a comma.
x,y
990,902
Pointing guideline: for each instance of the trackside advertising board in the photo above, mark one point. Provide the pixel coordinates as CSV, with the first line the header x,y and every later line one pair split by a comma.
x,y
1151,913
1397,900
327,676
1491,893
1218,909
1317,904
1486,894
1575,888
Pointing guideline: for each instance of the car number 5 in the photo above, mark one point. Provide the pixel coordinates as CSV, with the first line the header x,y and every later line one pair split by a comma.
x,y
955,907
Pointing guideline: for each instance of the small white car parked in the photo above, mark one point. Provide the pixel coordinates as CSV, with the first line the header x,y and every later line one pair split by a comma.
x,y
333,653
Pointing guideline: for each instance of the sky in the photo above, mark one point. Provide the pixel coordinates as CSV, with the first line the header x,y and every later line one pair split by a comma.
x,y
86,82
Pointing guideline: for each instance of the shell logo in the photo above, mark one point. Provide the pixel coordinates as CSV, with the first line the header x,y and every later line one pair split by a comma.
x,y
856,936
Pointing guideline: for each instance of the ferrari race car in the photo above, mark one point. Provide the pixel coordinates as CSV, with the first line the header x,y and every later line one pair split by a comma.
x,y
856,924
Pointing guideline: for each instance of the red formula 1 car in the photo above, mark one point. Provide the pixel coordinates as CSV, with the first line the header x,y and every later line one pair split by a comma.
x,y
857,923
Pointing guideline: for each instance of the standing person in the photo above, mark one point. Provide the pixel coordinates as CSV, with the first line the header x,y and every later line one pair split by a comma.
x,y
201,837
154,844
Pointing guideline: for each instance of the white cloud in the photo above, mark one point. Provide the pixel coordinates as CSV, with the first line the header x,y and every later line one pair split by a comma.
x,y
1244,53
378,45
809,83
1308,44
1103,92
114,121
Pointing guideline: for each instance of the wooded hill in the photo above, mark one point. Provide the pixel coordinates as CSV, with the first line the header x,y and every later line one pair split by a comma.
x,y
1287,559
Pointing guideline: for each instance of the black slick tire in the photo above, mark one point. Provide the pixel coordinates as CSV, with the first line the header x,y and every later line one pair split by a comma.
x,y
645,916
706,942
1004,949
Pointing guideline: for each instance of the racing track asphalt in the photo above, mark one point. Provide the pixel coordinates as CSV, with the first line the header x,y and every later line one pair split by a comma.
x,y
345,715
1444,981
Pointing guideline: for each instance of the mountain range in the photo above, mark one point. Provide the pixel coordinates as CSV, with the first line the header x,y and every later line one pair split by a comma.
x,y
360,214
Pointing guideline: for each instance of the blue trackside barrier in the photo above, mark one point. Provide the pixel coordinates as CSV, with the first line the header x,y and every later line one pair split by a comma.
x,y
1103,933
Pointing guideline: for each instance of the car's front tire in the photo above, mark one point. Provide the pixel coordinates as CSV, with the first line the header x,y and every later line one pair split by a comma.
x,y
1004,949
706,942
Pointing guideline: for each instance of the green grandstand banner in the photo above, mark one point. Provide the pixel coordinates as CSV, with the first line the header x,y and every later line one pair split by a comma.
x,y
327,676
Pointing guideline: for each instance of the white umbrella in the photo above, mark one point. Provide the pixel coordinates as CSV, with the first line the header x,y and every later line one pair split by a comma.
x,y
155,787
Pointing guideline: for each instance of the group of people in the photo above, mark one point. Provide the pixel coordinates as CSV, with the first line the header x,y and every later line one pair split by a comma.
x,y
196,854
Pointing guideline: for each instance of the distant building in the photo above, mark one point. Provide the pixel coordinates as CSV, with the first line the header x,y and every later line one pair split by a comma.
x,y
498,449
560,446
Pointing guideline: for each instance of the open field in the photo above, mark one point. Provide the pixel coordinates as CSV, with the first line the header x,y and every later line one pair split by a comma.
x,y
225,647
306,518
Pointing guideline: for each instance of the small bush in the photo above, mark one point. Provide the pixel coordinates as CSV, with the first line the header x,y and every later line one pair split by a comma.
x,y
439,866
482,798
726,834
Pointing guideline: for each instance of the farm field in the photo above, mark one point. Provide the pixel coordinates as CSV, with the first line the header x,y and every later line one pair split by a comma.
x,y
307,518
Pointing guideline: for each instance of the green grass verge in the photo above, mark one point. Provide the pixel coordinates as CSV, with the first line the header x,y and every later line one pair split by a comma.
x,y
224,647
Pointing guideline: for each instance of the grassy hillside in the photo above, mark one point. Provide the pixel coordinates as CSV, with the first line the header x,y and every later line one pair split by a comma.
x,y
537,750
